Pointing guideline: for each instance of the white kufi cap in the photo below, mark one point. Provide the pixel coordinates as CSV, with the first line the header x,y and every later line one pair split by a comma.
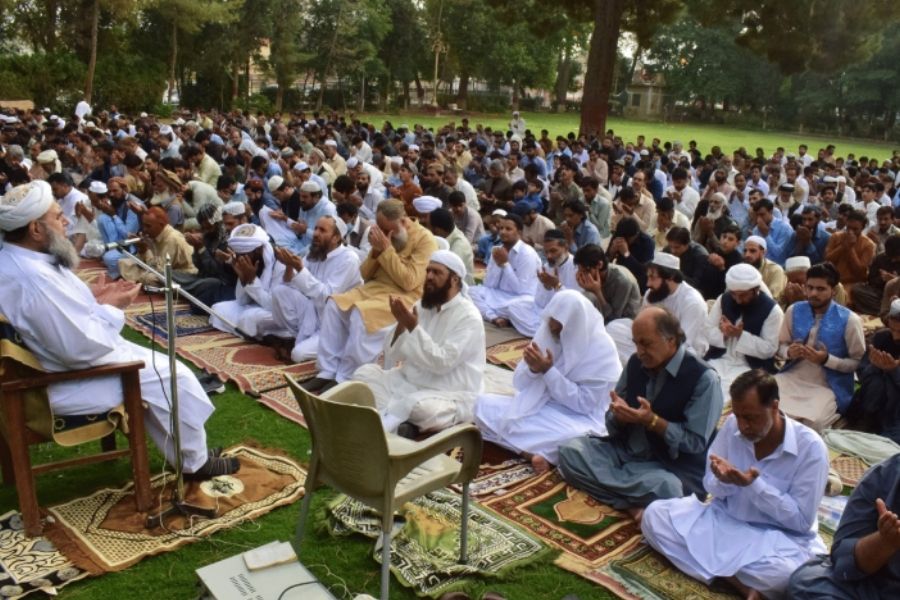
x,y
742,277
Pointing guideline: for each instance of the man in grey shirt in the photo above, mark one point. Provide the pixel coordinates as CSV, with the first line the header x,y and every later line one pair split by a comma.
x,y
612,289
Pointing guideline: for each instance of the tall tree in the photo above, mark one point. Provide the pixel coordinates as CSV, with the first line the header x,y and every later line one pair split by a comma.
x,y
286,56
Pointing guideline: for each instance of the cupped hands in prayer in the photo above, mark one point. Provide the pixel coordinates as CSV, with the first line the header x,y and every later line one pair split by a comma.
x,y
118,293
406,319
728,473
817,354
378,240
624,413
537,361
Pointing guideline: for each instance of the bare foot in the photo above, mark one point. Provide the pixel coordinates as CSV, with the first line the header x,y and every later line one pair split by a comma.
x,y
501,322
747,592
539,464
636,513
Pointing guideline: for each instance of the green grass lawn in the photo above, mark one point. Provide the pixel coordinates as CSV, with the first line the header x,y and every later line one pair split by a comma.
x,y
728,138
342,564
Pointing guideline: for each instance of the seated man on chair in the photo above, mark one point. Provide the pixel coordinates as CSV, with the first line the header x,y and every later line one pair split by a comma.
x,y
562,385
253,260
434,360
358,320
511,273
659,425
297,303
767,475
66,329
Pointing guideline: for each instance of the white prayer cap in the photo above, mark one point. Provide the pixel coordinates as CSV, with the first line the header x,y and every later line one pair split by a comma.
x,y
786,187
644,152
166,130
516,138
91,125
247,237
426,204
829,179
301,166
450,260
841,179
397,160
45,109
755,239
895,308
669,261
311,187
413,147
98,187
442,243
143,115
742,277
499,212
330,142
287,152
179,121
797,263
54,118
24,204
341,226
352,162
47,156
275,182
235,208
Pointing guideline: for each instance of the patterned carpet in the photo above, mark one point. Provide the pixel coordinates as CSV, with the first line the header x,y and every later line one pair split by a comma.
x,y
29,565
103,533
424,553
507,354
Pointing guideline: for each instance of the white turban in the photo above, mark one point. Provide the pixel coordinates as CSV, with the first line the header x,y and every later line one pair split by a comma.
x,y
248,237
450,260
23,204
426,204
761,242
664,259
742,277
235,208
442,243
797,263
352,162
397,160
50,157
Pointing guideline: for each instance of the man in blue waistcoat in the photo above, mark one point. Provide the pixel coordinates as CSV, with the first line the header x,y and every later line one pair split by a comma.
x,y
661,420
823,343
742,326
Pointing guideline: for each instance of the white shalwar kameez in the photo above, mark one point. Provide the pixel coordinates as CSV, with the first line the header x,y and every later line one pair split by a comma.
x,y
281,231
569,400
66,329
251,310
431,375
297,306
516,279
734,361
525,314
687,304
760,533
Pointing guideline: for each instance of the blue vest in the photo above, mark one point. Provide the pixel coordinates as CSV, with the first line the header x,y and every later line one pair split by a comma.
x,y
831,334
753,317
669,404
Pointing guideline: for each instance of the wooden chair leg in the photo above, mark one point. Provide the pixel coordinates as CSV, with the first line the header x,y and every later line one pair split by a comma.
x,y
137,440
13,405
6,465
108,443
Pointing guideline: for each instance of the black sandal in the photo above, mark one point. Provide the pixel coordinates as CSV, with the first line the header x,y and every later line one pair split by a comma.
x,y
214,467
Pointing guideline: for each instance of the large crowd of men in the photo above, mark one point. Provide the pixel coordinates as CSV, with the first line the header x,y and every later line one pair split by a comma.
x,y
660,285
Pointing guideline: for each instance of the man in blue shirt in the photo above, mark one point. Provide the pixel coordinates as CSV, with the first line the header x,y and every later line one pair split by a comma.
x,y
777,233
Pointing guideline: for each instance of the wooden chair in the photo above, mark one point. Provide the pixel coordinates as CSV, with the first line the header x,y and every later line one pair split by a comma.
x,y
352,454
27,419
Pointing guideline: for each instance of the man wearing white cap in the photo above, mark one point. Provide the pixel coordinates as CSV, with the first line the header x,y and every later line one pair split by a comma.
x,y
358,320
303,172
517,124
511,273
563,384
298,301
795,289
284,230
755,250
253,260
64,326
434,360
742,327
333,159
666,287
424,206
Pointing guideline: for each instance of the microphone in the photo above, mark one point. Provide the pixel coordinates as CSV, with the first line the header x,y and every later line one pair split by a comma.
x,y
122,244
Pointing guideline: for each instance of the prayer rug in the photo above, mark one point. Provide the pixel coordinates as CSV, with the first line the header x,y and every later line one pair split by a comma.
x,y
850,468
284,403
589,533
507,354
31,564
425,550
153,324
494,335
103,533
498,479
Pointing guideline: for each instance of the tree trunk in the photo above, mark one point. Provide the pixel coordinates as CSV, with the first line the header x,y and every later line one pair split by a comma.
x,y
420,91
331,47
92,62
515,95
361,102
600,65
173,59
406,95
279,98
563,76
50,26
235,82
462,94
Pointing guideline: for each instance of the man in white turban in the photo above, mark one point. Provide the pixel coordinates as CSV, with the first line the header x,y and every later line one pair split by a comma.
x,y
67,329
562,384
253,260
434,360
755,252
298,301
425,205
742,326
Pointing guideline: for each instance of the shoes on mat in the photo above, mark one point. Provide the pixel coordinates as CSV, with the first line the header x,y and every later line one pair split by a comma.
x,y
211,383
408,430
216,451
214,467
318,385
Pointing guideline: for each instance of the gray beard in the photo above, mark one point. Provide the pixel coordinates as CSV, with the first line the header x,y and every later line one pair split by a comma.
x,y
399,240
62,250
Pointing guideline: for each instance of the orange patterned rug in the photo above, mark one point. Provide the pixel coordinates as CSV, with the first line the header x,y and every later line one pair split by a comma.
x,y
507,354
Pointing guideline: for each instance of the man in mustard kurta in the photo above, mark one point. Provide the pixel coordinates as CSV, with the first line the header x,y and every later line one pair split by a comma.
x,y
158,241
354,323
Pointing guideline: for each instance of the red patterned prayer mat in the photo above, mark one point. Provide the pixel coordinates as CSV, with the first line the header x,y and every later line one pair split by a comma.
x,y
589,533
284,403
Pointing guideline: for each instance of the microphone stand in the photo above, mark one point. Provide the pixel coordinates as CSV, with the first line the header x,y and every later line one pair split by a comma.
x,y
178,505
